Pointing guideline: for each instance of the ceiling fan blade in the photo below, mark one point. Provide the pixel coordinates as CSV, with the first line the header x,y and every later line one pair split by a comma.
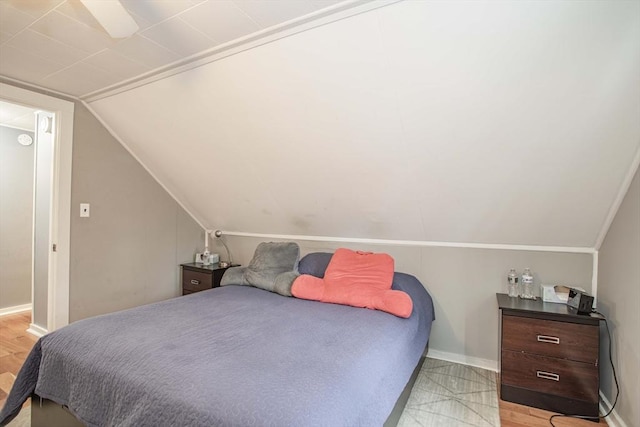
x,y
112,16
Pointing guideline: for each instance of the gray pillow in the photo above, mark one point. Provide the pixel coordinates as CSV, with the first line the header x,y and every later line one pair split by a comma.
x,y
273,268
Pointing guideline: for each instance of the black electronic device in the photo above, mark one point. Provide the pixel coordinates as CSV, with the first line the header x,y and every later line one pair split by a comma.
x,y
580,300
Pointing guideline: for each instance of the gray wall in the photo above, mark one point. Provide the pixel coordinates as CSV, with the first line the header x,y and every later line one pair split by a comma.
x,y
127,253
463,284
619,300
16,218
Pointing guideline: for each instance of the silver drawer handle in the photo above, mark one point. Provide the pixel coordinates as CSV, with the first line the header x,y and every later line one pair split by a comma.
x,y
547,338
195,282
547,375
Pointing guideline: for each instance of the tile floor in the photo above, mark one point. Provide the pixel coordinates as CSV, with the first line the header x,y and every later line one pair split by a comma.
x,y
447,394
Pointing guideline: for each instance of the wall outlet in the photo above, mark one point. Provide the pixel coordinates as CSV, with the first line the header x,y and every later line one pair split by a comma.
x,y
84,210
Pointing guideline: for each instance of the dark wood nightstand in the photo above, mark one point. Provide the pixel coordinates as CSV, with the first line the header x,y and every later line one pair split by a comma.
x,y
549,356
200,277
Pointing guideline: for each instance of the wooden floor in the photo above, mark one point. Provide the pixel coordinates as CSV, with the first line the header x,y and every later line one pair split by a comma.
x,y
514,415
15,344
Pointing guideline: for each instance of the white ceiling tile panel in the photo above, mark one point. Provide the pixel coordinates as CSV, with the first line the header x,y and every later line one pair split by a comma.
x,y
222,20
170,30
75,9
272,12
71,32
35,8
12,20
80,78
155,11
45,47
179,37
111,61
22,65
140,49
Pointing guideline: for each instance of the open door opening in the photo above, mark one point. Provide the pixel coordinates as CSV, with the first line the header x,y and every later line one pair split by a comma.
x,y
17,164
52,202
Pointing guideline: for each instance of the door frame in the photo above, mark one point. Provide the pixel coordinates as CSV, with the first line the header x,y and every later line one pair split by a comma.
x,y
60,212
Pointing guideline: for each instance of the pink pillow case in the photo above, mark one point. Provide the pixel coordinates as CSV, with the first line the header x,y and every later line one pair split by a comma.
x,y
358,279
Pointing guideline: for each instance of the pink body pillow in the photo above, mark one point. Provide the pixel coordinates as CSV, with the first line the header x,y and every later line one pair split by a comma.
x,y
359,279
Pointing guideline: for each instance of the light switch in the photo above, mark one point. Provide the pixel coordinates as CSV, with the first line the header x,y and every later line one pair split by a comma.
x,y
84,210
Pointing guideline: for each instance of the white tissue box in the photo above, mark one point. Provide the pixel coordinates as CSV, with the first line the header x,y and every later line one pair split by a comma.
x,y
201,259
556,293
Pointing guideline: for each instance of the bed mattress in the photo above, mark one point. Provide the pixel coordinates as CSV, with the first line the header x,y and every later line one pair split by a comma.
x,y
231,356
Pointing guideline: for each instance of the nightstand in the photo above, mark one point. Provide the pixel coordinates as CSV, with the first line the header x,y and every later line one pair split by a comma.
x,y
200,277
549,356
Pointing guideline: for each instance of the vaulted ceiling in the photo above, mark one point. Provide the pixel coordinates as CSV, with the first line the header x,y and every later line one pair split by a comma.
x,y
479,122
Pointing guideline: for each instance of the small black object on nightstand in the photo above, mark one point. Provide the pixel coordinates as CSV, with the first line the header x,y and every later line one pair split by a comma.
x,y
200,277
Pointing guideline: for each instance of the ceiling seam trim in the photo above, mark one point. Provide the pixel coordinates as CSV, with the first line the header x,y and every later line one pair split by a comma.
x,y
144,166
615,206
46,91
252,41
417,243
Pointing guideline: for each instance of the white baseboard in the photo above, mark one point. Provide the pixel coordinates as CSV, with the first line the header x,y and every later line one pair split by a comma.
x,y
36,330
614,419
15,309
477,362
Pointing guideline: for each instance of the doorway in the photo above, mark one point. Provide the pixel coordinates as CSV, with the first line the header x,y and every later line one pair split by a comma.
x,y
17,162
51,293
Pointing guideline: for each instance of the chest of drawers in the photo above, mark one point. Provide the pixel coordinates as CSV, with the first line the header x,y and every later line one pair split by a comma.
x,y
548,356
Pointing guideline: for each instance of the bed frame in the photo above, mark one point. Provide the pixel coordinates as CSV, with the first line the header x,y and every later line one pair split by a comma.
x,y
46,413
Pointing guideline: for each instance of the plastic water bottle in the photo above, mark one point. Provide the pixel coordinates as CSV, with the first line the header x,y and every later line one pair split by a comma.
x,y
527,285
512,283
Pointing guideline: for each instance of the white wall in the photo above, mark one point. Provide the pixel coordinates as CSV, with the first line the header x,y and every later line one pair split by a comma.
x,y
42,224
492,122
619,300
463,283
16,218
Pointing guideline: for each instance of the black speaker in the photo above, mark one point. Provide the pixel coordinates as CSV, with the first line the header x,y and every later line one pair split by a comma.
x,y
581,301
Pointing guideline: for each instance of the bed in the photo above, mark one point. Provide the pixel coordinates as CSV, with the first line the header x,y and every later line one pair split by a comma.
x,y
230,356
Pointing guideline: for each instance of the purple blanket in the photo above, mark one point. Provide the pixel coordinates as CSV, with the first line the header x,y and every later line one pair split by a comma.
x,y
230,356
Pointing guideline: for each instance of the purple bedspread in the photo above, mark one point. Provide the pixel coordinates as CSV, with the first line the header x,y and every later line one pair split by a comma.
x,y
230,356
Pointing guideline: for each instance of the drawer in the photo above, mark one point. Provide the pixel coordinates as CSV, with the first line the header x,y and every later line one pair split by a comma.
x,y
565,378
195,281
551,338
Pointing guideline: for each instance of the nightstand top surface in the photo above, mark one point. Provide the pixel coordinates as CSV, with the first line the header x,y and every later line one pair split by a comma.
x,y
507,303
210,267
